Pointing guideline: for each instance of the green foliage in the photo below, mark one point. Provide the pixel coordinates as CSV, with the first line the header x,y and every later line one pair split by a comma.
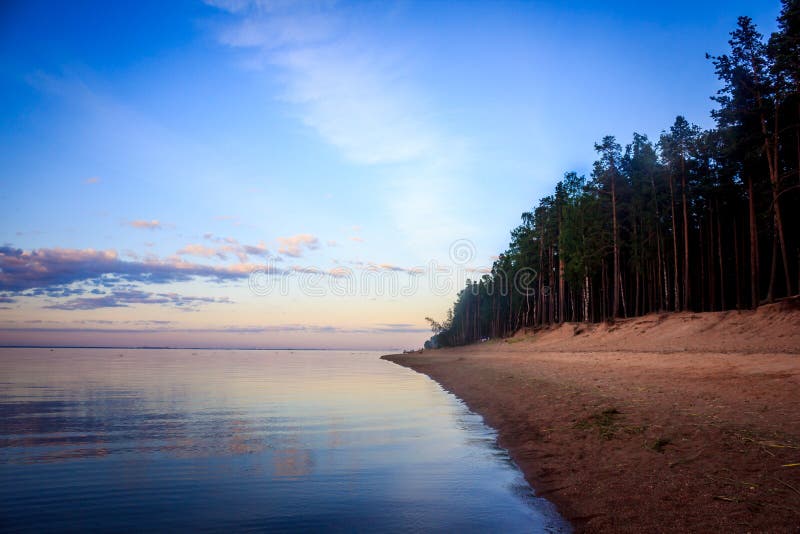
x,y
693,222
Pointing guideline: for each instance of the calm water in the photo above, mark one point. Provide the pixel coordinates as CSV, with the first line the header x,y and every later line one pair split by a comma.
x,y
246,440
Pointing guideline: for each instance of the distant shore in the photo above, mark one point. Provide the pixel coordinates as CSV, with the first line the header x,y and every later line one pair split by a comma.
x,y
663,423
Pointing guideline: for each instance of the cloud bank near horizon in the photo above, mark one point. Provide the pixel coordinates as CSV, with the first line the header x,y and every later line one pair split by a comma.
x,y
22,270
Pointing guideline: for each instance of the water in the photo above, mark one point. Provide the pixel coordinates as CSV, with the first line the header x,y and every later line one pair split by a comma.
x,y
110,439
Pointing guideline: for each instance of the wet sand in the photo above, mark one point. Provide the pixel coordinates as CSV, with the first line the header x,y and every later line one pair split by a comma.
x,y
664,423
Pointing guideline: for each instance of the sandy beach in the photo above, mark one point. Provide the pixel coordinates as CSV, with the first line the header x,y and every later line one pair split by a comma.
x,y
663,423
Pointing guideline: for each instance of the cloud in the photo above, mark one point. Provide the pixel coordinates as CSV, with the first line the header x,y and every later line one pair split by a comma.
x,y
372,266
306,270
230,246
351,99
49,268
201,251
332,243
256,250
293,246
218,239
402,327
383,328
357,239
396,268
122,299
58,292
340,272
92,180
357,92
352,94
139,322
238,6
145,225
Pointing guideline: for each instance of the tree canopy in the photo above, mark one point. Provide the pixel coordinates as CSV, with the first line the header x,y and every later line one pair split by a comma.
x,y
701,220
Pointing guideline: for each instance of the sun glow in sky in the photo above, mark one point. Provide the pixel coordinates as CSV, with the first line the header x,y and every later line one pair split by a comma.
x,y
155,155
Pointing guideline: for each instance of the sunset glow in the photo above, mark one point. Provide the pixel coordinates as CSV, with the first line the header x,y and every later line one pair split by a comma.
x,y
154,158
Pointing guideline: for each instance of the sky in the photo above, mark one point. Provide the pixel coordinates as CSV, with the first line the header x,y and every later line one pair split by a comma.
x,y
321,174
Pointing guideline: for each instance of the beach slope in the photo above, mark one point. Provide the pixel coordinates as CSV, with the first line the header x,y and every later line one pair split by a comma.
x,y
663,423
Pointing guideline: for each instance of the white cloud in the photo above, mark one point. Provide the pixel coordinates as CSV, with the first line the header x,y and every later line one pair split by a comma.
x,y
354,100
357,92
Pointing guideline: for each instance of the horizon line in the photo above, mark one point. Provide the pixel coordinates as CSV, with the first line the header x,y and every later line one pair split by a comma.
x,y
145,347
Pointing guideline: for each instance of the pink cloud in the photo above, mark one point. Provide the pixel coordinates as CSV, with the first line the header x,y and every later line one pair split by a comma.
x,y
390,267
242,252
198,250
293,246
146,225
22,270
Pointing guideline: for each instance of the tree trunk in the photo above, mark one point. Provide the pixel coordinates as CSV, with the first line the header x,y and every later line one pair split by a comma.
x,y
604,291
686,288
661,289
773,267
736,265
560,269
677,303
754,289
712,272
586,296
560,288
615,300
702,284
771,149
721,261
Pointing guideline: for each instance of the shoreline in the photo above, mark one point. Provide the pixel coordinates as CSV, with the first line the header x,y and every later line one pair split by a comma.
x,y
671,422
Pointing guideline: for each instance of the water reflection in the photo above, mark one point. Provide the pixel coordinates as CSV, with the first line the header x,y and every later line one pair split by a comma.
x,y
247,440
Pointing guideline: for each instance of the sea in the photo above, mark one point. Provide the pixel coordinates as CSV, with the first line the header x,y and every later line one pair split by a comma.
x,y
113,440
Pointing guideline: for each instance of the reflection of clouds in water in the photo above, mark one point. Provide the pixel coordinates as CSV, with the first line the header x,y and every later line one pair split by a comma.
x,y
65,454
335,436
340,436
225,432
242,440
292,459
293,463
47,439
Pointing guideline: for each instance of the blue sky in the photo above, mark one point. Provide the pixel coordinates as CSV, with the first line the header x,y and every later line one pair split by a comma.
x,y
153,155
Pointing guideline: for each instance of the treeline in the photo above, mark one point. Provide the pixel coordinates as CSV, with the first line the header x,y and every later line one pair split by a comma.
x,y
698,220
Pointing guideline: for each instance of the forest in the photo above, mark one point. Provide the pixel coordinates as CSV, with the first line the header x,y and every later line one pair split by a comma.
x,y
697,220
